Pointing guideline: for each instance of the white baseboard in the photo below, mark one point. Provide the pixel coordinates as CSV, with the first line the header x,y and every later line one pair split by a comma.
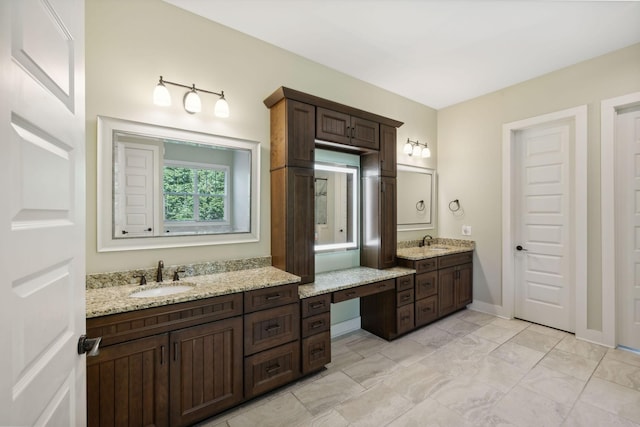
x,y
483,307
345,327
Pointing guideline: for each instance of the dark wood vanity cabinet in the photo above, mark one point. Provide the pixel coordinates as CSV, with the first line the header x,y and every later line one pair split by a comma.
x,y
155,365
342,128
442,285
390,313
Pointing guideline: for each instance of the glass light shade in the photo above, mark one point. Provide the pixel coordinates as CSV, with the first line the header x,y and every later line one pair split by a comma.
x,y
221,108
192,102
426,152
161,95
416,150
408,148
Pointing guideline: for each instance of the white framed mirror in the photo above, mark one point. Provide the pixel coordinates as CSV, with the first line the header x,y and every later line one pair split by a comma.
x,y
416,198
161,187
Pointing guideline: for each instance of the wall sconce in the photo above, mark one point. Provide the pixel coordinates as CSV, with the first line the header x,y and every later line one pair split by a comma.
x,y
191,100
414,148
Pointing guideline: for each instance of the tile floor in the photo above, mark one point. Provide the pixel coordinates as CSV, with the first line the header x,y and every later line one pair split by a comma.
x,y
469,369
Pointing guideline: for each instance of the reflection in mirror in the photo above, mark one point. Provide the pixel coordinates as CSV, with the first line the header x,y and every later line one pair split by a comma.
x,y
336,206
164,187
416,198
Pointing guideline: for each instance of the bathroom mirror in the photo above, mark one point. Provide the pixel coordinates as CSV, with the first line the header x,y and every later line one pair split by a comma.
x,y
162,187
336,202
416,198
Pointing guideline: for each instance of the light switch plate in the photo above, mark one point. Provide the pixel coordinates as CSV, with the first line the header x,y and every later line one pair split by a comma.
x,y
466,230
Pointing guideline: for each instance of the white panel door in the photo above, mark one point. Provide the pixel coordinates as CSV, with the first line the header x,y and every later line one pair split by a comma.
x,y
543,262
628,227
42,237
134,202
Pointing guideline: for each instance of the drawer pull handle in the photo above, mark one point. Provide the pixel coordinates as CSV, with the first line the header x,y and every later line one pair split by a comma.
x,y
272,328
316,305
405,297
426,309
405,318
317,324
317,351
351,293
272,369
272,297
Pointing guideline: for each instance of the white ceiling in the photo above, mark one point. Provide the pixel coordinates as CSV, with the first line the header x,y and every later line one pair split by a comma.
x,y
437,53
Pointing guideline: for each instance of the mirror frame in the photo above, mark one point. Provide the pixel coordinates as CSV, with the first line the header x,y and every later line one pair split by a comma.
x,y
427,171
106,243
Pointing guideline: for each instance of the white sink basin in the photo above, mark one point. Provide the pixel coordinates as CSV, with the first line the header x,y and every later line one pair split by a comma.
x,y
161,291
437,248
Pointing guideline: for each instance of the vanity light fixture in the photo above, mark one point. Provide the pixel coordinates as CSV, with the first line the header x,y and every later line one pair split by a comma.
x,y
191,101
414,148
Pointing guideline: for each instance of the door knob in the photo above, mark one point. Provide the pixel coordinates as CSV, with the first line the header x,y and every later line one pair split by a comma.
x,y
520,248
89,345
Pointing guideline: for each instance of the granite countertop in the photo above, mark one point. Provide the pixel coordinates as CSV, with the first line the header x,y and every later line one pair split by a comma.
x,y
117,299
332,281
418,253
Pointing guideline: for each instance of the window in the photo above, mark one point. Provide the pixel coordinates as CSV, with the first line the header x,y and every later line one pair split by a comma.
x,y
195,193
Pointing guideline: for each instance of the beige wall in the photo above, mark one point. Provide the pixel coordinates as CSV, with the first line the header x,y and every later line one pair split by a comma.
x,y
129,44
470,156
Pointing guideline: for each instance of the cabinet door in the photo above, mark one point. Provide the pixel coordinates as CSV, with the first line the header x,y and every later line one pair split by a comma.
x,y
292,222
388,227
426,284
293,127
365,133
464,285
127,384
388,151
206,370
446,290
404,319
426,310
333,126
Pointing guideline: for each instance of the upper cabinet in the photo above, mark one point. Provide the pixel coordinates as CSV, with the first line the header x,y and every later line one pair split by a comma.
x,y
292,134
341,128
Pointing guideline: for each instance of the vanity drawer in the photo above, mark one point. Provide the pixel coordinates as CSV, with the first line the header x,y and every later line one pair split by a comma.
x,y
455,259
121,327
316,305
316,352
404,282
424,265
269,328
316,324
270,369
364,290
426,310
404,297
426,284
404,318
275,296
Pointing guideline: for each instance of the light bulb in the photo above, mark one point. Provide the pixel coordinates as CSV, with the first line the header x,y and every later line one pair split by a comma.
x,y
416,150
192,102
408,148
426,152
161,95
222,107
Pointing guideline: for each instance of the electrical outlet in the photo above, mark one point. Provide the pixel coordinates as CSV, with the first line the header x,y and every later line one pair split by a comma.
x,y
466,230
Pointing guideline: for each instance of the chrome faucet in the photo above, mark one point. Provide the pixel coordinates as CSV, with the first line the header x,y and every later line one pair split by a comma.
x,y
424,239
159,273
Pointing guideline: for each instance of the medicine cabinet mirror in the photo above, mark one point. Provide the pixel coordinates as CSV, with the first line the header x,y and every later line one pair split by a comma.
x,y
162,187
416,198
336,178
